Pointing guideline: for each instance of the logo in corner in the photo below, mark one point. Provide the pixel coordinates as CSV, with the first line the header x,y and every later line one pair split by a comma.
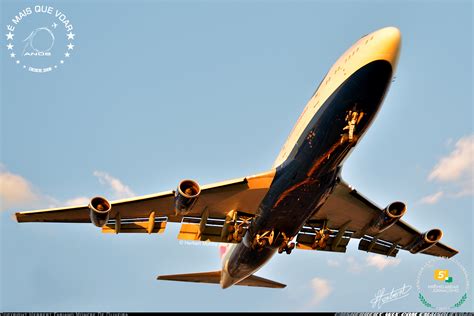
x,y
442,284
40,39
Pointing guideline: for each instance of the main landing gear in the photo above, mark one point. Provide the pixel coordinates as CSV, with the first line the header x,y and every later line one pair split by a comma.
x,y
236,232
286,245
233,228
269,238
320,238
262,240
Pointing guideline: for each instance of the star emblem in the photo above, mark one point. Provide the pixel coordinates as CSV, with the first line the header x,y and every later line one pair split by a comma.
x,y
70,35
70,46
10,46
67,55
9,36
12,55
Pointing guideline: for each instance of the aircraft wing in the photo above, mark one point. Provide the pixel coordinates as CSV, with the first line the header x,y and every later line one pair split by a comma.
x,y
347,214
150,213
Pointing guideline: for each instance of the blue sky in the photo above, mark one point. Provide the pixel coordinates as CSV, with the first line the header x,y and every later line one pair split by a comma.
x,y
156,92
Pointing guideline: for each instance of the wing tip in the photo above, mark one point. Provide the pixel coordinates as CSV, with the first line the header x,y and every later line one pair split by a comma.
x,y
15,217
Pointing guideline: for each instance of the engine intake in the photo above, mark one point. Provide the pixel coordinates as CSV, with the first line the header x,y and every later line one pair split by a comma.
x,y
426,240
99,211
389,216
186,196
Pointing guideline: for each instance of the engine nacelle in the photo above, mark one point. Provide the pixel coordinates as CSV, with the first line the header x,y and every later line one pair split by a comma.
x,y
390,215
99,211
186,196
425,240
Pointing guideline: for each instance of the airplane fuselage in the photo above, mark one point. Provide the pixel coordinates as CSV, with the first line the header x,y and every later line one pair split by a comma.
x,y
307,169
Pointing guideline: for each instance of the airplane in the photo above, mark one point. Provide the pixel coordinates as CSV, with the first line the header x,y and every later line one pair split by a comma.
x,y
302,202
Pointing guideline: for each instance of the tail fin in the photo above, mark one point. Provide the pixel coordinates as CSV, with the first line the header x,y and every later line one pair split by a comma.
x,y
215,277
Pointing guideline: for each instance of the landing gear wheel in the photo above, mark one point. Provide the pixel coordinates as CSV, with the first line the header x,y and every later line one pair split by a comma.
x,y
322,244
288,250
280,250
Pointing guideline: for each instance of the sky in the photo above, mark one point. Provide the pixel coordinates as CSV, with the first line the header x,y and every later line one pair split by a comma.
x,y
154,92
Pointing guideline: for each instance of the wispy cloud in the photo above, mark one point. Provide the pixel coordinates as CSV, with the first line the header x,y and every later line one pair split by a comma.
x,y
432,199
321,290
119,189
334,263
354,265
455,171
19,193
458,163
381,262
82,200
16,191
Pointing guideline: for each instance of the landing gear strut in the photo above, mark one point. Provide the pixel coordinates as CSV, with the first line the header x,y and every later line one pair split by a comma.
x,y
286,245
236,232
234,227
320,238
352,119
262,240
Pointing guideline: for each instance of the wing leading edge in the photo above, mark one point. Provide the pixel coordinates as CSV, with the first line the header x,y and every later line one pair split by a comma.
x,y
347,214
217,199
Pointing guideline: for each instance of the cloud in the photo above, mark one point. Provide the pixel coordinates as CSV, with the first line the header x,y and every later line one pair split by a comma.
x,y
120,190
457,167
458,163
82,200
321,290
16,191
353,265
381,262
432,199
356,266
334,263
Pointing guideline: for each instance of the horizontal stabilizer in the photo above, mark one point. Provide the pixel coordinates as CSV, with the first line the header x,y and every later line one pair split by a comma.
x,y
215,277
254,280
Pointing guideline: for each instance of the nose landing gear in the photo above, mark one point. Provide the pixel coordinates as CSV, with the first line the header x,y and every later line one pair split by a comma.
x,y
352,119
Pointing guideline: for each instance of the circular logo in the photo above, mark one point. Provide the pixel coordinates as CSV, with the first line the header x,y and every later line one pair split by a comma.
x,y
40,38
442,284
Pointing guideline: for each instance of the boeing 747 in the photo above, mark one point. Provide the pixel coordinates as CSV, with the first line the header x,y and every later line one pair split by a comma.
x,y
301,202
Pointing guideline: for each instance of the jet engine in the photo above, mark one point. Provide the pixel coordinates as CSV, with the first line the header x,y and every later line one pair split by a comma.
x,y
425,240
99,211
389,216
186,196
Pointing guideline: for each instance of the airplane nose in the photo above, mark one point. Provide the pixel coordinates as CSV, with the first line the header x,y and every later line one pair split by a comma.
x,y
389,42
